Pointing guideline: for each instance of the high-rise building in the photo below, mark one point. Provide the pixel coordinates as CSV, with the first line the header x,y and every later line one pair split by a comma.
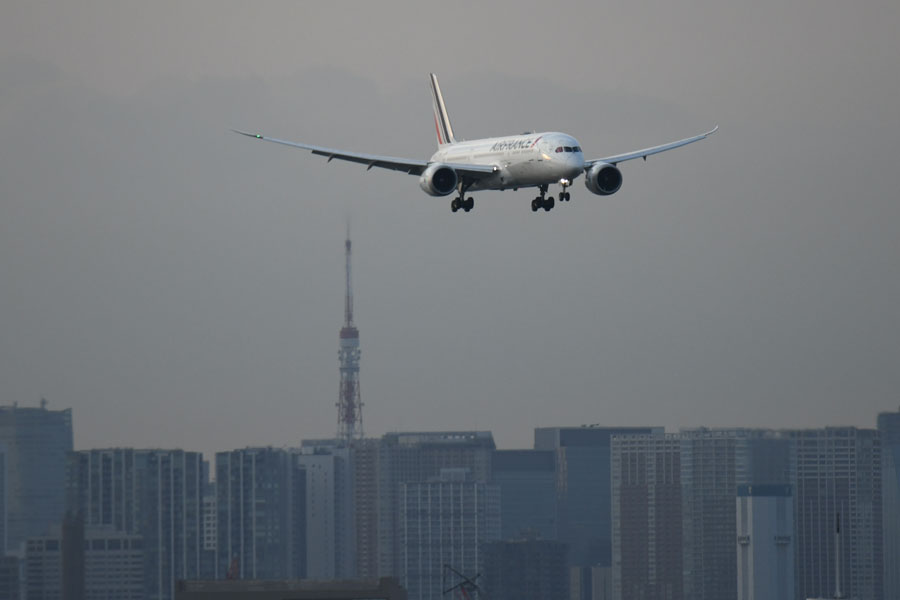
x,y
713,463
36,440
444,521
113,566
647,517
210,531
416,458
154,494
9,577
838,480
43,568
584,489
765,539
330,537
889,426
525,570
527,481
364,468
3,499
709,528
261,506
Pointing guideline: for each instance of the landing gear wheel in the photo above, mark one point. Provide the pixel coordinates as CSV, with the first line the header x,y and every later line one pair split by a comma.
x,y
535,204
548,203
568,196
468,204
454,205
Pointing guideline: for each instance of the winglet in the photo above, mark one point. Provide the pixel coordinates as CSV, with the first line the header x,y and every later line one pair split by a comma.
x,y
441,118
253,135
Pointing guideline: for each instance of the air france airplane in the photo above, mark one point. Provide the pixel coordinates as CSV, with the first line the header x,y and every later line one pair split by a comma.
x,y
512,162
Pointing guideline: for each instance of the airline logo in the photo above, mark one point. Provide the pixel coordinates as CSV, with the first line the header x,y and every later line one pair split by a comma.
x,y
516,144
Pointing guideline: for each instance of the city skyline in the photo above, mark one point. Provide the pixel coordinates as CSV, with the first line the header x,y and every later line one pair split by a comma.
x,y
636,511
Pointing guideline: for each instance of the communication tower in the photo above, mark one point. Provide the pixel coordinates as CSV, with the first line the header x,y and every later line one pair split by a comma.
x,y
349,403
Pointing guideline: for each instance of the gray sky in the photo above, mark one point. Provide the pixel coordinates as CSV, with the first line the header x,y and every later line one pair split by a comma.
x,y
178,285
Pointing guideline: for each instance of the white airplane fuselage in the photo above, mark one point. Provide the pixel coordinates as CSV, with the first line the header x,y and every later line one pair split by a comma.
x,y
525,160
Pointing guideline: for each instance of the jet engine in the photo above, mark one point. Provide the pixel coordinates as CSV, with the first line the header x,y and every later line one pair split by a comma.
x,y
438,180
603,179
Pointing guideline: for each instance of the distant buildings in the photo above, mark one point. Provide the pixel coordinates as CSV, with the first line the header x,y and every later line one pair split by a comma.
x,y
889,427
112,567
647,545
527,482
365,474
838,477
417,458
525,569
261,515
329,509
765,537
36,441
591,513
444,521
583,487
156,495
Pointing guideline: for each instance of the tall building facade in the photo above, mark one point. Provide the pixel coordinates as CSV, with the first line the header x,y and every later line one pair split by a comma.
x,y
527,481
765,542
647,517
330,527
364,467
525,570
713,463
444,521
889,426
839,479
709,486
416,458
154,494
584,488
37,441
112,561
261,508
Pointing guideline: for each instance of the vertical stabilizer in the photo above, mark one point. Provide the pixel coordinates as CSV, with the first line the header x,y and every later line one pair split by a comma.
x,y
441,118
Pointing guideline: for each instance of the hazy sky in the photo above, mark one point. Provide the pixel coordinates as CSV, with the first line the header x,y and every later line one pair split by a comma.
x,y
177,285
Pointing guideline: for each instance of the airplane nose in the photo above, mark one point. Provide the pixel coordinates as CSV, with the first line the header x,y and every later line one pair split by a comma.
x,y
575,161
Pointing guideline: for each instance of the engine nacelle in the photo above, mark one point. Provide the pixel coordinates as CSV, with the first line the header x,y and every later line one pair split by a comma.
x,y
438,180
603,179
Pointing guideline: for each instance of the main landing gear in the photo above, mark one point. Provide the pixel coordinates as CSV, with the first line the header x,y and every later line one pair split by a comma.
x,y
542,201
461,202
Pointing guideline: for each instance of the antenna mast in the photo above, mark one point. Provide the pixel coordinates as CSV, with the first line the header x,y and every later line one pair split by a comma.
x,y
349,403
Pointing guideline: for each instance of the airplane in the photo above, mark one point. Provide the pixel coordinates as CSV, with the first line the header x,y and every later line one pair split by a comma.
x,y
498,163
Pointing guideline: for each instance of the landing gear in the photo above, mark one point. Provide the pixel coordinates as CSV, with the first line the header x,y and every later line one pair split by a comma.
x,y
542,201
564,195
461,202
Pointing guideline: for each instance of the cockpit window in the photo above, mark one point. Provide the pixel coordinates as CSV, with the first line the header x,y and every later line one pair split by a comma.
x,y
568,148
576,148
559,149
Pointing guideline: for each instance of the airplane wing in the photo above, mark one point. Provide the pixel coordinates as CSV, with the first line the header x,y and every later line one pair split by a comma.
x,y
617,158
407,165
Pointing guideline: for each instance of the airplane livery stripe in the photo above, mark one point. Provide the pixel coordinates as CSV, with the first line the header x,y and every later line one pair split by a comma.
x,y
437,129
440,112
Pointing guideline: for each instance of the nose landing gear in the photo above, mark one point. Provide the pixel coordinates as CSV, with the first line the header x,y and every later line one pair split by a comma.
x,y
564,195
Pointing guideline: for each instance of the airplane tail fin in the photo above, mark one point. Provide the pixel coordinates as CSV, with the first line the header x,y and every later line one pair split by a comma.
x,y
441,118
